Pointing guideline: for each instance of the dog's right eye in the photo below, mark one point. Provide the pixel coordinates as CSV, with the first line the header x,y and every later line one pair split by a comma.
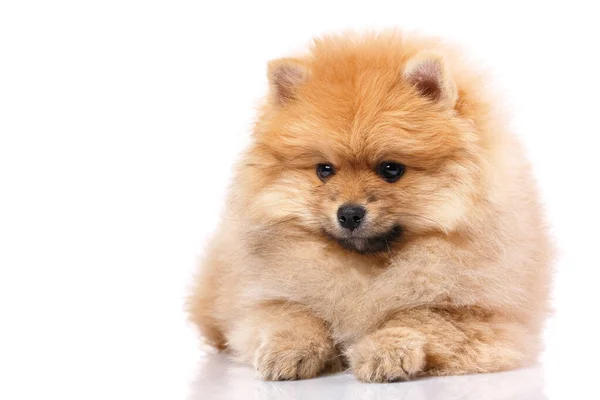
x,y
324,171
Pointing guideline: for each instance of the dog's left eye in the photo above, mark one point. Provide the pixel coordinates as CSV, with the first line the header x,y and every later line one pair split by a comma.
x,y
391,171
324,171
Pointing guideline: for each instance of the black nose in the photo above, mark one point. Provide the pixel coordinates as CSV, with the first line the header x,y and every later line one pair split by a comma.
x,y
350,216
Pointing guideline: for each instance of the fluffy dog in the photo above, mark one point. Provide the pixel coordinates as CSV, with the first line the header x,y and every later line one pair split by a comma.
x,y
382,216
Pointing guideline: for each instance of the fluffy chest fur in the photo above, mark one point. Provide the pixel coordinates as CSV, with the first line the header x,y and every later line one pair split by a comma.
x,y
355,293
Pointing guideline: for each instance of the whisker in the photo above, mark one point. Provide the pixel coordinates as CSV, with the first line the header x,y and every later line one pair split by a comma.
x,y
388,246
433,222
298,202
287,163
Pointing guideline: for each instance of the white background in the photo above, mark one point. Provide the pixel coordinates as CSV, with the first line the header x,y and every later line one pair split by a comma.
x,y
119,123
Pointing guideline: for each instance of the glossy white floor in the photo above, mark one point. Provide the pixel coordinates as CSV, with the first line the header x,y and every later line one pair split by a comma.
x,y
220,379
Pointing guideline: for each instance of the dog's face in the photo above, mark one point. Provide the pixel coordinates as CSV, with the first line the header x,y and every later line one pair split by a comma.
x,y
363,152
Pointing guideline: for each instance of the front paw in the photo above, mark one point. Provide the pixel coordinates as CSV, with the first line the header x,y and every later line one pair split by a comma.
x,y
285,356
387,355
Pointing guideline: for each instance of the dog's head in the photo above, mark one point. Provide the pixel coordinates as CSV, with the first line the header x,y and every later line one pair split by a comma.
x,y
361,141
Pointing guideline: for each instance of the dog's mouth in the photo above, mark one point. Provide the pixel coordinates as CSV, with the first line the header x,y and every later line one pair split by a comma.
x,y
369,244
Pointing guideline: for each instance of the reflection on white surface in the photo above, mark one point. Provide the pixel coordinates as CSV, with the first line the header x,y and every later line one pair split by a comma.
x,y
219,378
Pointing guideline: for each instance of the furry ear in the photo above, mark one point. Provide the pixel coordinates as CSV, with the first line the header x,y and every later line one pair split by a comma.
x,y
428,72
285,76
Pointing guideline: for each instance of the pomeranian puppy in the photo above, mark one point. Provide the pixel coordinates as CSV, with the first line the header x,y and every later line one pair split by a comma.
x,y
382,216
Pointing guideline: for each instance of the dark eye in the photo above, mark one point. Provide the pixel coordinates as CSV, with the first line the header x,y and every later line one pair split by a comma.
x,y
391,171
324,171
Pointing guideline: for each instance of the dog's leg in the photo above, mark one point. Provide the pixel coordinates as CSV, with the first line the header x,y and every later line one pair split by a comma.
x,y
440,342
283,341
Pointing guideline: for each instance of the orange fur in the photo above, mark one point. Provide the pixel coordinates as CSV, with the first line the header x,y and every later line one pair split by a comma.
x,y
465,289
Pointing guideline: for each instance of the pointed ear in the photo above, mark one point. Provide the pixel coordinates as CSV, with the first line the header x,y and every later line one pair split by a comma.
x,y
285,76
428,72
